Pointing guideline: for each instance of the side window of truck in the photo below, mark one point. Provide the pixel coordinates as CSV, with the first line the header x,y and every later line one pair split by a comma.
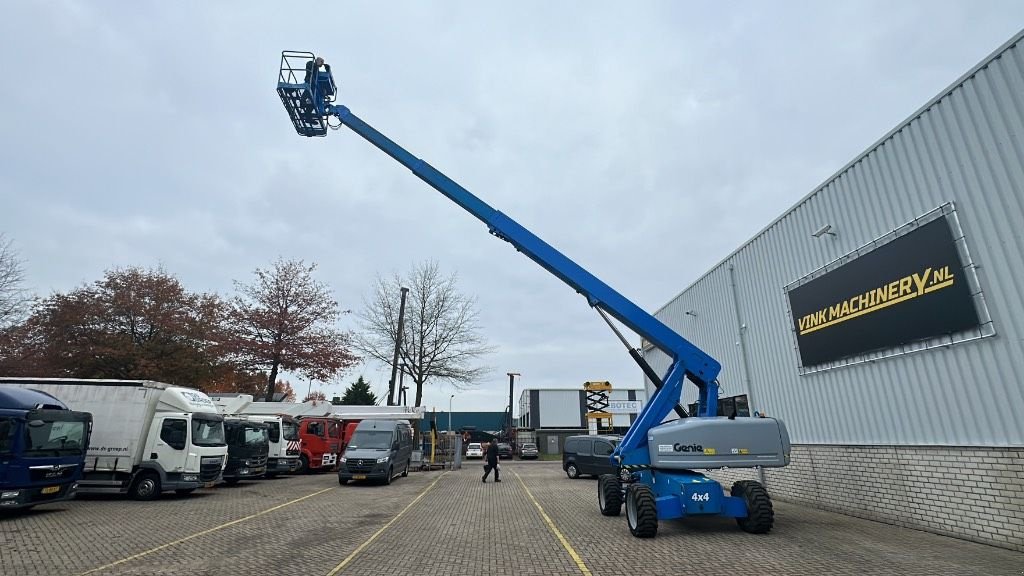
x,y
315,428
174,432
6,435
274,431
332,430
602,448
583,448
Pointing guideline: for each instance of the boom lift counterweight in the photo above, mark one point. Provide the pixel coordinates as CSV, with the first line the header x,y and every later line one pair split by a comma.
x,y
675,491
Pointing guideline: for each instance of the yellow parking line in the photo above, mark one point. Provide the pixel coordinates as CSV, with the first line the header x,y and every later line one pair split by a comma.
x,y
203,533
356,552
554,530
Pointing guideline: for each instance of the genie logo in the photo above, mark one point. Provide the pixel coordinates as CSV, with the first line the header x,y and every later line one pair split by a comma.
x,y
687,447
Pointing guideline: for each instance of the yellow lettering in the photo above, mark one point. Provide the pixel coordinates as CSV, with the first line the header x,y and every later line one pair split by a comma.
x,y
920,280
949,275
833,311
821,316
880,296
894,290
845,308
905,284
802,323
864,301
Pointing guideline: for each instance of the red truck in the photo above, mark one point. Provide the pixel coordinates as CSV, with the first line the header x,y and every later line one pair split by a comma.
x,y
323,440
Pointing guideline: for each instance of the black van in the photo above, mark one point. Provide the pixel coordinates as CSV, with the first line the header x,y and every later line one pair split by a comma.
x,y
589,455
378,450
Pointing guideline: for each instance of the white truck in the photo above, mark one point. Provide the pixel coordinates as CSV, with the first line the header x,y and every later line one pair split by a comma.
x,y
282,429
148,437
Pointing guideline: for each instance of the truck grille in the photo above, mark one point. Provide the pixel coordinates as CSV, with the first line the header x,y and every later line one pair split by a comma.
x,y
209,469
52,473
360,465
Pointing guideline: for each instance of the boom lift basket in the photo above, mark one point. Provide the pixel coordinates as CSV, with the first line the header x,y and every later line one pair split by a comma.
x,y
305,93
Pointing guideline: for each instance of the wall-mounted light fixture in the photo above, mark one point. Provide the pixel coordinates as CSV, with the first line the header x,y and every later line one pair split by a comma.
x,y
691,313
826,229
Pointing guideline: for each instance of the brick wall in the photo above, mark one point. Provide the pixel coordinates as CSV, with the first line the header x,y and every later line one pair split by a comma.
x,y
971,493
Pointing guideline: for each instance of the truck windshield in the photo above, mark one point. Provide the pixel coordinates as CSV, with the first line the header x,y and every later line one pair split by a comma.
x,y
372,439
254,436
56,438
291,431
207,432
6,435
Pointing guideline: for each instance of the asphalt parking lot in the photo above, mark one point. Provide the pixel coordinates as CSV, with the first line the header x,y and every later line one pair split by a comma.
x,y
535,522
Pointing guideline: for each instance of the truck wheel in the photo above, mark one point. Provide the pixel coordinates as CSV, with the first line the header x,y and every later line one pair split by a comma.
x,y
572,471
641,512
405,473
184,491
303,465
145,487
609,494
760,515
387,477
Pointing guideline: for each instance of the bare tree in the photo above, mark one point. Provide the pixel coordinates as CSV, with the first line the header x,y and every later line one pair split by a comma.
x,y
441,339
285,320
14,298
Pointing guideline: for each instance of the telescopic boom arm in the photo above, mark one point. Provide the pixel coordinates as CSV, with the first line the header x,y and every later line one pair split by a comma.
x,y
310,107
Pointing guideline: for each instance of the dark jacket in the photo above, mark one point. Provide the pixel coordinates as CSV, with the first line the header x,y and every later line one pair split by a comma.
x,y
309,69
492,453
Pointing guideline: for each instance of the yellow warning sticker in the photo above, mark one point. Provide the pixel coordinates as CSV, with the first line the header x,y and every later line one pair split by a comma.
x,y
709,452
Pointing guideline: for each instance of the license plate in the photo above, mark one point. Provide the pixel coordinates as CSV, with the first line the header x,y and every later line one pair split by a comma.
x,y
50,490
359,477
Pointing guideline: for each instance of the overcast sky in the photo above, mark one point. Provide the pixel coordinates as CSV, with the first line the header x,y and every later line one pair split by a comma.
x,y
644,140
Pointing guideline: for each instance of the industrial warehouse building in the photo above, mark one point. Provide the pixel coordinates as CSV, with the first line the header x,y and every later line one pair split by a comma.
x,y
882,319
557,413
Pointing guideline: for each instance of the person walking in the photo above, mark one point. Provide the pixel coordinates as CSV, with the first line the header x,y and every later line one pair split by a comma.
x,y
492,461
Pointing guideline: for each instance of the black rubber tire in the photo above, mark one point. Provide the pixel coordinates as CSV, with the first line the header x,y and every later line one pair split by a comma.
x,y
760,514
184,491
572,471
405,473
231,481
145,487
609,494
387,477
641,511
303,465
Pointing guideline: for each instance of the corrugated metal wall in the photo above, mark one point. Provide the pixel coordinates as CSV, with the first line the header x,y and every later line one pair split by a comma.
x,y
964,147
559,409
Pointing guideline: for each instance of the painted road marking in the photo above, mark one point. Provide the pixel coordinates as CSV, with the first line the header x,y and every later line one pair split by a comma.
x,y
554,529
203,533
356,552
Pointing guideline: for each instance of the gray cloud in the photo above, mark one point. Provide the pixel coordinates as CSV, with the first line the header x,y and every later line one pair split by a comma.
x,y
645,143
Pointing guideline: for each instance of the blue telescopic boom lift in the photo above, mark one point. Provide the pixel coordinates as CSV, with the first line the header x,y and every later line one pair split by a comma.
x,y
656,461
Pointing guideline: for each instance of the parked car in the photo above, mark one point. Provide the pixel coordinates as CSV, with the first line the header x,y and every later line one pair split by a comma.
x,y
474,450
528,452
589,455
504,450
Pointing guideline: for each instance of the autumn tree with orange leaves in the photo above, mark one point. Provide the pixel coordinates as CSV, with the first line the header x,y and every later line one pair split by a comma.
x,y
286,320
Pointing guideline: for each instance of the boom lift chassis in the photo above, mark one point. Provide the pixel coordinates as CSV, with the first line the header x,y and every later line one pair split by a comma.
x,y
655,480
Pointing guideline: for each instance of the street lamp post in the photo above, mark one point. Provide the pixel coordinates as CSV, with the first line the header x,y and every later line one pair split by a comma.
x,y
450,413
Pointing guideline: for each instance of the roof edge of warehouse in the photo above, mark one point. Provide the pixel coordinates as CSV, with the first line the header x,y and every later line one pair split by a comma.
x,y
993,56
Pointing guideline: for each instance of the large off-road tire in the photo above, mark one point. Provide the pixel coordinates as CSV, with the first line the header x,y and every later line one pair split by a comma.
x,y
572,471
609,494
641,511
146,486
760,515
